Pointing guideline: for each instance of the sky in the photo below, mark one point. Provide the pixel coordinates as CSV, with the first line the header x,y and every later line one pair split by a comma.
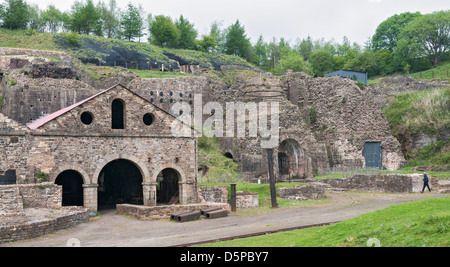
x,y
288,19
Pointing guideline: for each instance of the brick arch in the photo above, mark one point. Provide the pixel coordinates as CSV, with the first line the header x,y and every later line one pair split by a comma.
x,y
180,172
139,164
286,137
69,167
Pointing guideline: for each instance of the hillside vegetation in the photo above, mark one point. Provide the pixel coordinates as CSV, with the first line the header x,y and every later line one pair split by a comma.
x,y
100,51
423,112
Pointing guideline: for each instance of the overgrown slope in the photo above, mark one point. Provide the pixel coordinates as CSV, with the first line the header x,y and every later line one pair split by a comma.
x,y
425,117
113,52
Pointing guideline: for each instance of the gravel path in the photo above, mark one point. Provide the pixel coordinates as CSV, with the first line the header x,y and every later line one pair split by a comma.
x,y
111,230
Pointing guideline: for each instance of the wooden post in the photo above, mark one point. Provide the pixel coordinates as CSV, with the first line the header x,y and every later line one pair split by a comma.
x,y
273,192
233,197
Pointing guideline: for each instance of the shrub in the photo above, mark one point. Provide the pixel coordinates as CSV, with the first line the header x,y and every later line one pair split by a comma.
x,y
312,116
42,177
71,39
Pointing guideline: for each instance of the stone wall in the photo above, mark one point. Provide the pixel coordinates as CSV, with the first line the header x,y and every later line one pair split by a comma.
x,y
44,195
10,201
216,194
66,143
302,192
392,183
70,217
246,199
14,198
344,120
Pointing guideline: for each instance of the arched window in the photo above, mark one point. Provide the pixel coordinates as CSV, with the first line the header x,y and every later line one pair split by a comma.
x,y
118,114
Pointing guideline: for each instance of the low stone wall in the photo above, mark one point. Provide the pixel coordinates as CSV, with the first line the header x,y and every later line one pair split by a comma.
x,y
392,183
14,198
44,195
164,212
246,199
10,201
302,192
216,194
69,217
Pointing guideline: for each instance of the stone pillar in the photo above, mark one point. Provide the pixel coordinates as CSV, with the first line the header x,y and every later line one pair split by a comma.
x,y
90,198
149,193
182,193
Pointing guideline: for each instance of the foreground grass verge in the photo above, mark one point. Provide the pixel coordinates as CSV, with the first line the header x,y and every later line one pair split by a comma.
x,y
424,223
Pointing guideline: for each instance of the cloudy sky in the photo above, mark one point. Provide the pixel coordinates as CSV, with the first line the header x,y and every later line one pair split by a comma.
x,y
290,19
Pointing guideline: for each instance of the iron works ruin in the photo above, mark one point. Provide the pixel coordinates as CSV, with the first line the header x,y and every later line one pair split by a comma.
x,y
95,128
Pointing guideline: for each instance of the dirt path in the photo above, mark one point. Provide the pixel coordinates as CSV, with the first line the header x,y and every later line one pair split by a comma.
x,y
111,230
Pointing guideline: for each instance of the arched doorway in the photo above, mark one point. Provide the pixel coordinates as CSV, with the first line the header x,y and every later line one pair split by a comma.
x,y
291,160
119,182
167,191
72,187
283,163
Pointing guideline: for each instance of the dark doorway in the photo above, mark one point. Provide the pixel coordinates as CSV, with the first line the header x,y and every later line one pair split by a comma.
x,y
72,187
283,163
373,154
8,178
119,182
117,114
167,189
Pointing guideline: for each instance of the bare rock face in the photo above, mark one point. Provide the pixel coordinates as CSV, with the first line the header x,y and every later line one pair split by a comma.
x,y
343,117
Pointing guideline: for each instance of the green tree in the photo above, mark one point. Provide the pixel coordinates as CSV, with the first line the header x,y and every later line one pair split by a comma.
x,y
388,32
292,60
110,14
188,34
383,58
207,43
306,48
52,18
85,18
35,20
273,53
164,32
364,62
131,23
219,36
321,62
260,53
14,14
429,35
237,42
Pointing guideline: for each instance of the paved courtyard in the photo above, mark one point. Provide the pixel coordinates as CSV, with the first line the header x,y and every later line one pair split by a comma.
x,y
111,230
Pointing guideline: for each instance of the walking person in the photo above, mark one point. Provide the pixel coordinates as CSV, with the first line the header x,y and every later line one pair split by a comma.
x,y
425,182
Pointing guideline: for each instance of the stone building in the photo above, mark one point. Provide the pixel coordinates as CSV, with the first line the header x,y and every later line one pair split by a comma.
x,y
111,148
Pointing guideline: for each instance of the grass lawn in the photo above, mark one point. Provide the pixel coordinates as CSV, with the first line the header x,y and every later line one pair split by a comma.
x,y
424,223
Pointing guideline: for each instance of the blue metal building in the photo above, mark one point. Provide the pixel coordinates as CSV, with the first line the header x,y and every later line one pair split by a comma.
x,y
354,75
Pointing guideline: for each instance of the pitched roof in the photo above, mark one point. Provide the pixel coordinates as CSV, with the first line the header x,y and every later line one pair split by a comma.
x,y
48,118
60,112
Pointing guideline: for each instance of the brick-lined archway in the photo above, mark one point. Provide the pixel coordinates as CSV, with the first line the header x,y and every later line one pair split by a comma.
x,y
119,182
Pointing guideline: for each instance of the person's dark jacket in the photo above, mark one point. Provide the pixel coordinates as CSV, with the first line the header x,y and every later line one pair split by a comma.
x,y
425,178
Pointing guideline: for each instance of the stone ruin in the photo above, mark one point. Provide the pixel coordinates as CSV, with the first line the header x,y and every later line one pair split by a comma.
x,y
325,124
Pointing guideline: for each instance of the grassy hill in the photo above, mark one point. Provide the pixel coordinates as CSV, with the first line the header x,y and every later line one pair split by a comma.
x,y
98,50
